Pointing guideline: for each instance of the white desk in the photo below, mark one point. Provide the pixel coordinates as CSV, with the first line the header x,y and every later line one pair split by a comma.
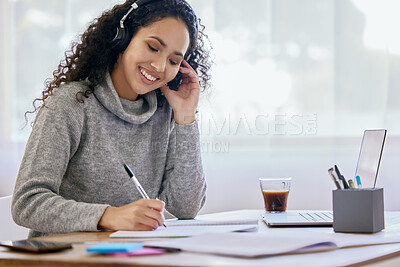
x,y
382,255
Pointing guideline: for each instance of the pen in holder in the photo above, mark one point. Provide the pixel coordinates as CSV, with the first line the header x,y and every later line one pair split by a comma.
x,y
358,210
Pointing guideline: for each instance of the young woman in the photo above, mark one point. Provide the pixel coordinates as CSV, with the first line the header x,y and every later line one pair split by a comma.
x,y
126,93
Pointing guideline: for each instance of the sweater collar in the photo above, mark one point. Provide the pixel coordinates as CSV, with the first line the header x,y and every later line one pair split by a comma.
x,y
136,112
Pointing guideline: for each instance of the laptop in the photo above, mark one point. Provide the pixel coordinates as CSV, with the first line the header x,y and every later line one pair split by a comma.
x,y
299,218
370,157
367,168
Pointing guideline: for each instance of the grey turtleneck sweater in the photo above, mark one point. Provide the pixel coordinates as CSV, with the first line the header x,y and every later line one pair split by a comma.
x,y
72,168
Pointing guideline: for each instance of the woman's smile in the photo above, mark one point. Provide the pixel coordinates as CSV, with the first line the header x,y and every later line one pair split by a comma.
x,y
147,76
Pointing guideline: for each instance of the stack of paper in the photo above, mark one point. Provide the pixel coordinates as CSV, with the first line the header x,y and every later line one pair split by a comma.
x,y
272,242
250,244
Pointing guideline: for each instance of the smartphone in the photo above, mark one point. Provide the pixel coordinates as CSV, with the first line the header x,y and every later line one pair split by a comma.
x,y
35,246
174,84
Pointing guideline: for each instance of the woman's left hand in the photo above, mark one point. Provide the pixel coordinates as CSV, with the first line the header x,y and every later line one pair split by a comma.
x,y
184,101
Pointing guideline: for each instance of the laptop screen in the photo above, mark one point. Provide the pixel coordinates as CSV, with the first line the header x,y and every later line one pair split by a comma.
x,y
370,157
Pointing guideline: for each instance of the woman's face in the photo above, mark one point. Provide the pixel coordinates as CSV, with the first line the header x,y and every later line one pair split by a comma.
x,y
152,58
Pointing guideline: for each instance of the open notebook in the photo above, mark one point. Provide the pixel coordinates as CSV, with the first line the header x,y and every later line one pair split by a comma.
x,y
184,228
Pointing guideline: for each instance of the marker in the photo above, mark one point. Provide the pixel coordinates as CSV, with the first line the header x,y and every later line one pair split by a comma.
x,y
359,185
330,171
351,184
341,177
138,185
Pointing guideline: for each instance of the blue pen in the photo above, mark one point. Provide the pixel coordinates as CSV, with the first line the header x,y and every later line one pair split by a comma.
x,y
359,185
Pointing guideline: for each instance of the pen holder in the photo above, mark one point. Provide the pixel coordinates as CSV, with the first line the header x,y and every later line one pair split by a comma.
x,y
358,210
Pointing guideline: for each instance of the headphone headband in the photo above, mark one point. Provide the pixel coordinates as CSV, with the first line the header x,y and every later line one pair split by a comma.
x,y
121,40
134,6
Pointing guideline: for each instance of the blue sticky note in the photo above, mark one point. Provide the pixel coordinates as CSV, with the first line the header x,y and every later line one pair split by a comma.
x,y
114,247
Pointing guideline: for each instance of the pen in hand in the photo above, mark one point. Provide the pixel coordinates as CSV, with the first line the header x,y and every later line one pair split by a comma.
x,y
137,184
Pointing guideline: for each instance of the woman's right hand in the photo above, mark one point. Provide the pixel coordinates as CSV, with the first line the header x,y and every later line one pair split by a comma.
x,y
141,215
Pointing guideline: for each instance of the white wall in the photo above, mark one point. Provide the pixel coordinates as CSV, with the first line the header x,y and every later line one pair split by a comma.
x,y
8,229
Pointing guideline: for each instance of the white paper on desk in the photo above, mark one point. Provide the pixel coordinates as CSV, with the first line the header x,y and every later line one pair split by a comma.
x,y
344,240
250,244
182,231
200,222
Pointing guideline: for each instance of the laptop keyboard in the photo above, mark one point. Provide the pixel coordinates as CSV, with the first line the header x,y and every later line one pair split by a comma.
x,y
317,216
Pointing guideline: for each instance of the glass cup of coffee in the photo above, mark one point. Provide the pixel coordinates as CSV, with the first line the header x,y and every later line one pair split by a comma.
x,y
275,192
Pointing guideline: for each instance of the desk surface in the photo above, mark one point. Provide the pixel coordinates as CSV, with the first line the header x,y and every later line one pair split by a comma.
x,y
382,255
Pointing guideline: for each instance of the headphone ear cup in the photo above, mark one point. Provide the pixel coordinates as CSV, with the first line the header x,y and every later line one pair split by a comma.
x,y
121,39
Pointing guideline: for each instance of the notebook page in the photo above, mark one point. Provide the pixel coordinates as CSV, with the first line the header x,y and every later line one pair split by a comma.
x,y
211,222
181,231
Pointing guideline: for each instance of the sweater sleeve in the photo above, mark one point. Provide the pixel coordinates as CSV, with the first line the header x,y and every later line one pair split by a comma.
x,y
36,202
184,185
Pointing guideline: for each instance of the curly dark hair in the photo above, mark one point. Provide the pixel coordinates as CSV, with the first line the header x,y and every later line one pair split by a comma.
x,y
95,53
